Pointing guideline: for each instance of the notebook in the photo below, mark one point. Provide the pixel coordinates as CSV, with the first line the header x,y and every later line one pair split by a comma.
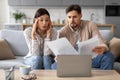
x,y
74,65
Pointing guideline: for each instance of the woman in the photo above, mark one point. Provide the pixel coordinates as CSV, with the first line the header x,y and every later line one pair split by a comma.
x,y
40,56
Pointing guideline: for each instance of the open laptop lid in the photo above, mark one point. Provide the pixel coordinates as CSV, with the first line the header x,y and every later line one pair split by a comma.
x,y
74,65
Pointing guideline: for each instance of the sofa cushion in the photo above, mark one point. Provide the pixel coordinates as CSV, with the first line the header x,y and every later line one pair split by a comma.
x,y
16,41
17,62
116,66
106,34
5,51
115,47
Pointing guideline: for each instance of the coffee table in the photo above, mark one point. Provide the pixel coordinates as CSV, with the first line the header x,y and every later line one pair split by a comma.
x,y
51,75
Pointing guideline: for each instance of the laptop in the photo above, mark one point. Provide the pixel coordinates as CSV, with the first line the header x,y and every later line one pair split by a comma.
x,y
74,65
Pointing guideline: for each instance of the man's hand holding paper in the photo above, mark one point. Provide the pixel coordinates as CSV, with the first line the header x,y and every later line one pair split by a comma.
x,y
99,49
88,47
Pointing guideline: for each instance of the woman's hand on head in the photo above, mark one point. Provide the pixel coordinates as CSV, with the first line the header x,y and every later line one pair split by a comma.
x,y
34,28
49,30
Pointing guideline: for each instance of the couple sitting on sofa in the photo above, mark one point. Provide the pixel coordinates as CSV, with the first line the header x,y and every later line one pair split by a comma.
x,y
41,57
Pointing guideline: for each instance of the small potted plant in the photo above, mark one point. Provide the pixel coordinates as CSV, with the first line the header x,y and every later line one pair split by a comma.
x,y
18,16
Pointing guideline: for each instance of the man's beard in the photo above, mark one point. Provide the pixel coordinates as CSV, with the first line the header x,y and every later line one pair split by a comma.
x,y
74,26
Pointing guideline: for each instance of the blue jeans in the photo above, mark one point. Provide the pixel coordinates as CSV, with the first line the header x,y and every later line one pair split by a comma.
x,y
104,62
39,62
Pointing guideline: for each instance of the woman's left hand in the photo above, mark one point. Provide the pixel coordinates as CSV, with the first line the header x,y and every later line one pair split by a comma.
x,y
49,30
99,49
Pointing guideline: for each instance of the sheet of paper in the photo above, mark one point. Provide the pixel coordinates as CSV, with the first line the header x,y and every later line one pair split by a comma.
x,y
62,47
87,46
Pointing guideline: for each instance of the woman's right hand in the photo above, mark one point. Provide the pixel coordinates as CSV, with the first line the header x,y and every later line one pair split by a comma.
x,y
34,29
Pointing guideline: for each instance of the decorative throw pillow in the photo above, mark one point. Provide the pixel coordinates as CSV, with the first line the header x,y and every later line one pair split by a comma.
x,y
115,47
5,51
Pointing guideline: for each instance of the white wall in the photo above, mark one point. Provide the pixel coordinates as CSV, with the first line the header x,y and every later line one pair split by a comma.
x,y
4,12
98,14
59,13
55,12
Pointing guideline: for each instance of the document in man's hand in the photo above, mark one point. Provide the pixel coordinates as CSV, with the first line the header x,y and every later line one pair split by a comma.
x,y
86,47
62,47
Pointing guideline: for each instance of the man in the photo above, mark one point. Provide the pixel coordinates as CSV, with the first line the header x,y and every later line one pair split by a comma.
x,y
78,30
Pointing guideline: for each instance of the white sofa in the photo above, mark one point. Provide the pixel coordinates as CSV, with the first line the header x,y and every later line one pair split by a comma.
x,y
17,44
19,47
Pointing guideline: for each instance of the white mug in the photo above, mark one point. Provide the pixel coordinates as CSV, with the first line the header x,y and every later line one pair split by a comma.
x,y
25,69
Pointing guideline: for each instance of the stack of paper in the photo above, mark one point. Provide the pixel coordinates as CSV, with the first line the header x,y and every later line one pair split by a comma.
x,y
63,47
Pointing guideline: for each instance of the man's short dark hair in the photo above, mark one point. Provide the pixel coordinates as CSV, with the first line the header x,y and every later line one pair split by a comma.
x,y
72,7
